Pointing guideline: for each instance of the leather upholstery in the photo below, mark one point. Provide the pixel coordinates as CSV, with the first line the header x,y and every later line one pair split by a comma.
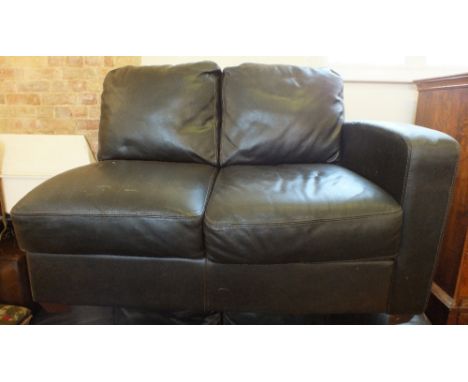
x,y
158,283
163,113
417,166
299,288
280,114
298,213
305,215
138,208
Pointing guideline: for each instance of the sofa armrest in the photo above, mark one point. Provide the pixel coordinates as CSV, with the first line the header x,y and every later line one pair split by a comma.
x,y
417,166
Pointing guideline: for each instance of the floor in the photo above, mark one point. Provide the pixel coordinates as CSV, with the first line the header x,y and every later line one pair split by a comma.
x,y
89,315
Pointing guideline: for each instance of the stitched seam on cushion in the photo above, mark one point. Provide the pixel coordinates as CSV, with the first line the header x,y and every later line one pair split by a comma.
x,y
386,258
220,226
198,215
107,215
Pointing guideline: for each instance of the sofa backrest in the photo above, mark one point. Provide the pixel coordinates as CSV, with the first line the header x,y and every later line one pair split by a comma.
x,y
280,114
162,113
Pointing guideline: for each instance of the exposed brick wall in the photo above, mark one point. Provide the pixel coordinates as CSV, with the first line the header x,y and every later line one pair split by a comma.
x,y
54,95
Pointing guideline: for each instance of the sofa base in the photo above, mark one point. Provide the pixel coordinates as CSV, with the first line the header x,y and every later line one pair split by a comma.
x,y
320,288
171,285
106,280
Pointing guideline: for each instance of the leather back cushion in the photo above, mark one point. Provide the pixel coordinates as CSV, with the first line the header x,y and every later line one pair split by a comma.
x,y
164,113
280,114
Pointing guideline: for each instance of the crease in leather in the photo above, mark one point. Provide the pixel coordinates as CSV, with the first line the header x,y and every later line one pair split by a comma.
x,y
183,132
323,127
211,184
267,208
143,216
292,222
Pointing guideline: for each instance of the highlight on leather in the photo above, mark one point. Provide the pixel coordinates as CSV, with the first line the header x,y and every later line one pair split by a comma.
x,y
165,113
280,114
275,224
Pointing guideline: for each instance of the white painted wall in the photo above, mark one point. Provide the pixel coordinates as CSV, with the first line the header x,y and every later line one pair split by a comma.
x,y
27,160
380,101
363,100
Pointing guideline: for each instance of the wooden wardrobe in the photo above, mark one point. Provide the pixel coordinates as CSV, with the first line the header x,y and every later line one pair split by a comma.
x,y
443,106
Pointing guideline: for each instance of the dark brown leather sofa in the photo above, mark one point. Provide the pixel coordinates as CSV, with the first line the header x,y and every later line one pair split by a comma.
x,y
241,190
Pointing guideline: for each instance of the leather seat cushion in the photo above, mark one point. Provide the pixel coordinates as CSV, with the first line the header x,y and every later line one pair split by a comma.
x,y
299,213
275,114
118,207
162,113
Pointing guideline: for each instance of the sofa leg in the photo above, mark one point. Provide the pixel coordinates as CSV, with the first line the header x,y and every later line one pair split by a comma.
x,y
55,308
